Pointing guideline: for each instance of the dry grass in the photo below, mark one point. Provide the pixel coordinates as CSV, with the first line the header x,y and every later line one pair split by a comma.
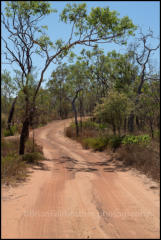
x,y
143,159
14,168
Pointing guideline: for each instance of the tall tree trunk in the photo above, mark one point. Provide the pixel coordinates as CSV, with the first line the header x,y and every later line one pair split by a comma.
x,y
76,120
81,112
151,128
24,136
137,123
131,122
119,132
75,111
114,128
25,128
11,114
125,123
60,106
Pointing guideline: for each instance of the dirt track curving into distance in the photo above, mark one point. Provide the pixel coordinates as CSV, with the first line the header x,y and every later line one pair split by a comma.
x,y
79,194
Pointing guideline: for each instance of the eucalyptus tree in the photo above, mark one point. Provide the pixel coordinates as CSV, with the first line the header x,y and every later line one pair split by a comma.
x,y
142,52
21,22
75,88
98,72
56,86
148,106
28,38
114,109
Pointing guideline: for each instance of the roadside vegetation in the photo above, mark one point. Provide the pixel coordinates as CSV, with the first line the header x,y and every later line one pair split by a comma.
x,y
137,151
14,168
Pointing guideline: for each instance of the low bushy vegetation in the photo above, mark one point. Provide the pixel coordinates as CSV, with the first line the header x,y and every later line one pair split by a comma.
x,y
32,157
143,159
134,151
13,166
141,139
10,132
98,143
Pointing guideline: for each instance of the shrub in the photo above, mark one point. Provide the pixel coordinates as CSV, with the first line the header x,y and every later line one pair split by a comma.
x,y
90,125
7,133
33,158
141,139
11,132
13,166
115,142
98,144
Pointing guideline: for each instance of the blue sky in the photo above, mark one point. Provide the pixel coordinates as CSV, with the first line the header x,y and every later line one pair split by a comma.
x,y
143,13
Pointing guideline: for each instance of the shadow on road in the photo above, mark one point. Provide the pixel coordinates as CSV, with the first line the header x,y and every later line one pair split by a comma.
x,y
75,169
73,165
41,166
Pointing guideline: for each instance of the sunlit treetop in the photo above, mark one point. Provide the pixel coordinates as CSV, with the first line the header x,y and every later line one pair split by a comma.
x,y
100,23
28,8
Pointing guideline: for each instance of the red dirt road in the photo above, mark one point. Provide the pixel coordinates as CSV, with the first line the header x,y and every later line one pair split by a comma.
x,y
79,194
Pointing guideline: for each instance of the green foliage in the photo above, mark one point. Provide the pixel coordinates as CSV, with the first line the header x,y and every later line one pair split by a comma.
x,y
115,142
141,139
44,41
11,132
28,8
100,20
148,107
114,108
90,125
106,21
98,144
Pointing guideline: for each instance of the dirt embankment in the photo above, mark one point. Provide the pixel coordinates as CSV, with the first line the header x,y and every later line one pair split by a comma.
x,y
80,194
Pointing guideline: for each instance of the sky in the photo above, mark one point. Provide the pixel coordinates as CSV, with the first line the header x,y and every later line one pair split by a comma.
x,y
143,13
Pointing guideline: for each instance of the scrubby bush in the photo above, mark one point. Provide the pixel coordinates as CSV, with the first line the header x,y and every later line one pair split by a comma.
x,y
115,142
98,144
33,157
10,132
114,109
90,125
144,159
12,166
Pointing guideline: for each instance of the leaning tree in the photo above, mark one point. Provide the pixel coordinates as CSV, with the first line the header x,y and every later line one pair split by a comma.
x,y
27,38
